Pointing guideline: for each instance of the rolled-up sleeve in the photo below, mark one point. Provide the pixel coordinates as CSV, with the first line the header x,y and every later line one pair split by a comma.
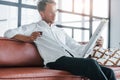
x,y
12,32
24,30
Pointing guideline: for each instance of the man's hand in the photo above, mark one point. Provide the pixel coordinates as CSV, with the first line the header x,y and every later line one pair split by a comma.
x,y
99,41
34,35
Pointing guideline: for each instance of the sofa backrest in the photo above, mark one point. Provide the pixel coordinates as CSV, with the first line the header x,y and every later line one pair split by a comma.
x,y
16,53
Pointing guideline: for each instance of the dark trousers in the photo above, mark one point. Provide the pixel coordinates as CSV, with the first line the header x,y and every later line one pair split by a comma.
x,y
83,67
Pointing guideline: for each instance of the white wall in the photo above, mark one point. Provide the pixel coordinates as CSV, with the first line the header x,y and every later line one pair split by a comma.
x,y
115,24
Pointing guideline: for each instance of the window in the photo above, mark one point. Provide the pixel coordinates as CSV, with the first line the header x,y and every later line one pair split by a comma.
x,y
8,18
100,8
15,13
83,17
79,18
29,16
29,2
11,0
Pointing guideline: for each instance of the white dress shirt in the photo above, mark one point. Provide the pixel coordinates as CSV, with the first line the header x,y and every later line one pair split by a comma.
x,y
54,42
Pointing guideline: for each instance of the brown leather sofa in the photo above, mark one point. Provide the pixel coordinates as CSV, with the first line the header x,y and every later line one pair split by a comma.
x,y
21,61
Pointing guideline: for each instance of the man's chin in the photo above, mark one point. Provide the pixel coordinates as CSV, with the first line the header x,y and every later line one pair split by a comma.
x,y
51,22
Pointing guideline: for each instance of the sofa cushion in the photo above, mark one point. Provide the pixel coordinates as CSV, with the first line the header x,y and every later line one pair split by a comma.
x,y
36,73
16,53
106,57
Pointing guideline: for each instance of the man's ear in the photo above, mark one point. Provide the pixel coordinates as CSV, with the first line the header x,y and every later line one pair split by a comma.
x,y
42,14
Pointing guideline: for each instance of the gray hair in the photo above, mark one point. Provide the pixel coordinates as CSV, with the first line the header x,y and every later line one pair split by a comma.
x,y
42,4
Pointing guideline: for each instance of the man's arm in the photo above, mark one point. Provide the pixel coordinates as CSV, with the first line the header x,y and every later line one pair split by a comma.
x,y
30,38
23,38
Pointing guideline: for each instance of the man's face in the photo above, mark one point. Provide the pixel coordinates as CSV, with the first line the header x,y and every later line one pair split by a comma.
x,y
49,13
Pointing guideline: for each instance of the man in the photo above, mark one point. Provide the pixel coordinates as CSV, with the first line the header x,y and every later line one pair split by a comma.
x,y
58,50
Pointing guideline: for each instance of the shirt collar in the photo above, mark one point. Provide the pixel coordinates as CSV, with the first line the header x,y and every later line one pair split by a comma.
x,y
42,23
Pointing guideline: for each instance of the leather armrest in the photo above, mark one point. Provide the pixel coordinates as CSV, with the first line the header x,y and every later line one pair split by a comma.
x,y
16,53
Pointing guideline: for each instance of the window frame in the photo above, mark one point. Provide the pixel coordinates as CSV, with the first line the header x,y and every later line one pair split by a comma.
x,y
20,5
